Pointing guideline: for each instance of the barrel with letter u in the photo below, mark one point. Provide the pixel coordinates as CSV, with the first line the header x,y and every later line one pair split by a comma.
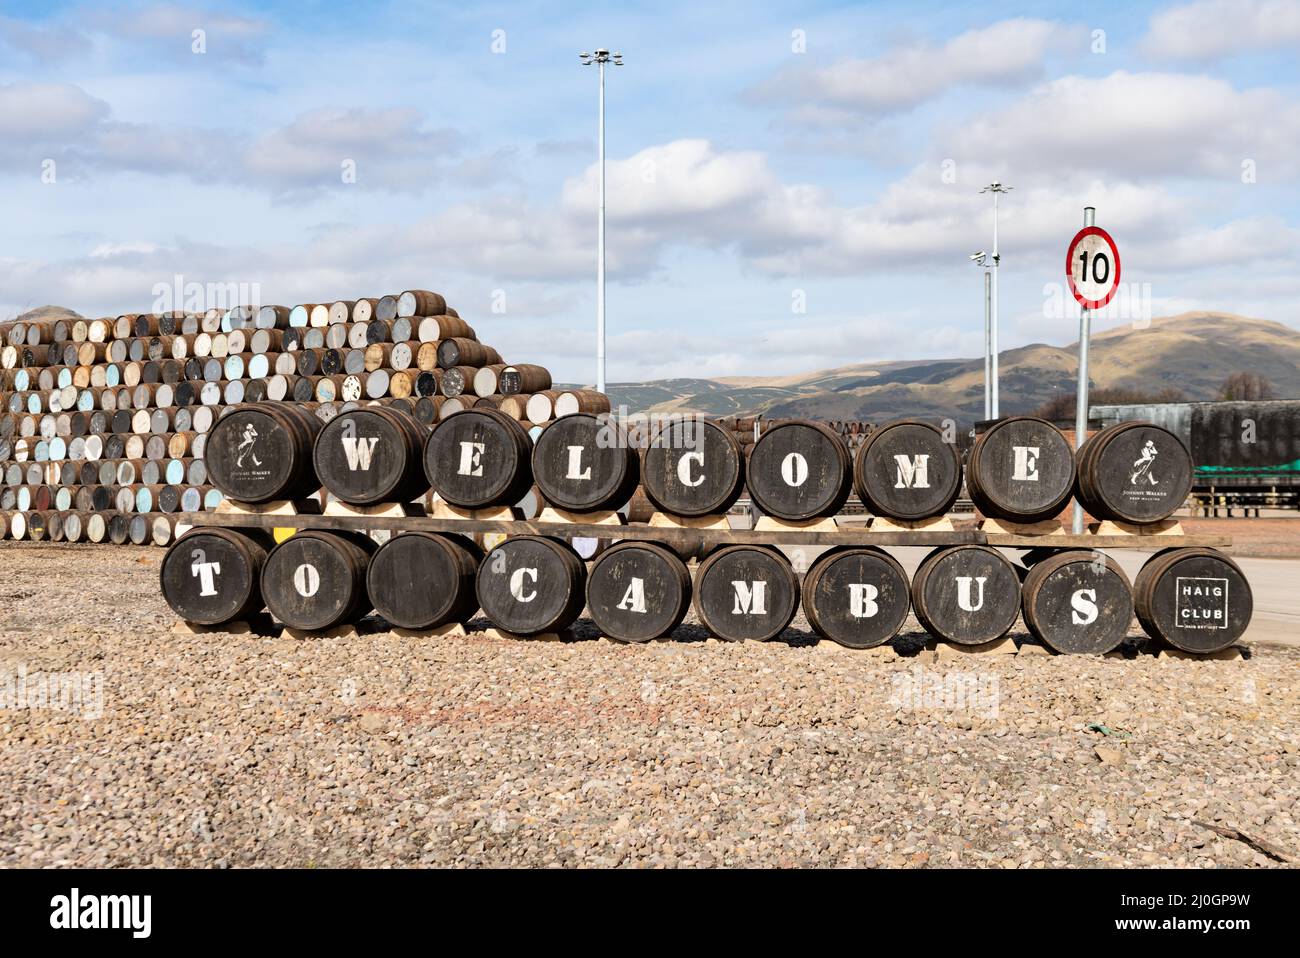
x,y
261,452
693,468
1020,470
857,596
1195,599
799,470
212,575
906,470
746,592
419,580
1134,472
1078,602
968,595
638,591
528,585
317,580
371,455
478,458
585,463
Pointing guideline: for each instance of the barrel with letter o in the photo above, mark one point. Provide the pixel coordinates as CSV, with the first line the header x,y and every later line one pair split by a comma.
x,y
799,470
317,580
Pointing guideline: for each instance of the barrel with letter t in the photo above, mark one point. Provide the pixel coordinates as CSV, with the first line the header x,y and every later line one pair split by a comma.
x,y
317,580
372,455
638,591
1078,601
746,592
856,596
1196,599
419,580
968,595
211,576
1020,470
1134,472
693,467
906,470
585,463
799,470
528,585
479,458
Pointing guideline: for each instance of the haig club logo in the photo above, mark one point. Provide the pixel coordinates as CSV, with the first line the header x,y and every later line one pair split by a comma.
x,y
76,911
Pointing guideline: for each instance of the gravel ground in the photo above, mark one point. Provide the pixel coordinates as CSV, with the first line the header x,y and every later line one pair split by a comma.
x,y
229,751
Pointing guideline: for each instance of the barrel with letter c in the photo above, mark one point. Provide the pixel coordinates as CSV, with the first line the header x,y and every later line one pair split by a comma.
x,y
1078,602
905,470
1195,599
746,592
799,470
584,463
316,580
857,596
967,595
528,585
212,575
692,468
638,591
1021,470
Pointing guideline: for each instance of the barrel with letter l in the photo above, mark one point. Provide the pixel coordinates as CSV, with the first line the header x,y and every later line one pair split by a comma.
x,y
372,455
212,575
968,595
799,470
317,580
419,580
638,591
692,468
906,470
1195,599
857,596
528,585
1134,472
262,452
1078,602
746,592
1020,470
479,458
584,463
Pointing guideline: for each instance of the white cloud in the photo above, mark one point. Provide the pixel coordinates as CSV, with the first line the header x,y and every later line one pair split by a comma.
x,y
1208,29
36,111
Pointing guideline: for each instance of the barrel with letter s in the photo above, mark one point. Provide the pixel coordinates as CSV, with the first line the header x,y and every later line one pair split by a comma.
x,y
317,580
212,575
1195,599
584,463
479,458
528,585
692,468
857,596
638,591
1078,601
968,595
1021,470
906,470
799,470
746,592
1134,472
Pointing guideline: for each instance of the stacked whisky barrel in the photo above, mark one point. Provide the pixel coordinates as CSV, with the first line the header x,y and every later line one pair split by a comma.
x,y
747,429
105,422
798,472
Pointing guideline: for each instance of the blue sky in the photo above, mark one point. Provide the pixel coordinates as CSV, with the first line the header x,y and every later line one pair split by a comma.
x,y
792,186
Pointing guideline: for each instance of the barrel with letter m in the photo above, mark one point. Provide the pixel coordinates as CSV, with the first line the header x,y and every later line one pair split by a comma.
x,y
967,595
479,458
638,591
1195,599
584,463
857,596
371,455
1021,470
529,585
212,575
746,592
692,468
1077,602
799,470
906,470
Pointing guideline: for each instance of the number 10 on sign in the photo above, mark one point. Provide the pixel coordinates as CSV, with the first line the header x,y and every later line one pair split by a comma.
x,y
1092,265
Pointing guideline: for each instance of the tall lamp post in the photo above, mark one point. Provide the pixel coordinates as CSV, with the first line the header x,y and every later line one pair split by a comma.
x,y
995,188
600,58
981,259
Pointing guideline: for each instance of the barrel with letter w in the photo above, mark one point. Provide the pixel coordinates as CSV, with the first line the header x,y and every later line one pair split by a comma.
x,y
746,592
528,585
638,591
262,452
479,458
1134,472
585,463
1195,599
211,576
419,580
799,470
968,595
317,580
1020,470
372,455
1078,602
906,470
693,468
857,596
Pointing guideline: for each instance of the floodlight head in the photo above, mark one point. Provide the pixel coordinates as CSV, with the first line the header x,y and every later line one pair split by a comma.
x,y
978,257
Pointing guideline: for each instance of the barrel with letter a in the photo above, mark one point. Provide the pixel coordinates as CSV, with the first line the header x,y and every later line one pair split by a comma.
x,y
638,591
746,592
856,596
967,595
692,468
211,576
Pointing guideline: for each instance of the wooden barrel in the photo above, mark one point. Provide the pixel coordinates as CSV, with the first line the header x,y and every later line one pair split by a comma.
x,y
479,458
799,470
532,584
1134,472
486,380
422,579
584,463
523,378
459,351
857,596
968,595
262,452
905,470
692,468
541,407
1020,470
580,400
1077,602
371,455
746,592
1195,599
638,591
432,329
420,302
317,580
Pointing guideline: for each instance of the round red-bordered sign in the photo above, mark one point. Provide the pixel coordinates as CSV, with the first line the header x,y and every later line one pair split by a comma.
x,y
1092,267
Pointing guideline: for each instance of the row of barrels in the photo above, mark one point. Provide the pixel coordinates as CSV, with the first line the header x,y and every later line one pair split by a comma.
x,y
1021,469
99,526
859,596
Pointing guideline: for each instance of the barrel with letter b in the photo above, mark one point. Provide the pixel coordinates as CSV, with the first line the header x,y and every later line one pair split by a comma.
x,y
638,591
317,580
479,458
857,596
692,468
746,592
212,576
907,470
584,463
967,595
1021,470
529,585
372,455
1195,599
1077,602
799,470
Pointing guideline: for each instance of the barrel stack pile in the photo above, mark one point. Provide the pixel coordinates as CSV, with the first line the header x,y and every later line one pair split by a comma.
x,y
105,422
480,461
747,429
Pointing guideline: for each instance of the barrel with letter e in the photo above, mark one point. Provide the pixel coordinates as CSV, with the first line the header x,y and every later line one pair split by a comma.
x,y
1021,470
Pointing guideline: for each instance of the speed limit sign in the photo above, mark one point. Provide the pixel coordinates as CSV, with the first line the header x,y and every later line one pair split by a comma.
x,y
1092,265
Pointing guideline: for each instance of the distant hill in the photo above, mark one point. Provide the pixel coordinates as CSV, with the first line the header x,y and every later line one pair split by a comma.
x,y
43,312
1191,352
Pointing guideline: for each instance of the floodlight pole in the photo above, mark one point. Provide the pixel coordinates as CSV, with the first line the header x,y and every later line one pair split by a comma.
x,y
995,188
600,58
